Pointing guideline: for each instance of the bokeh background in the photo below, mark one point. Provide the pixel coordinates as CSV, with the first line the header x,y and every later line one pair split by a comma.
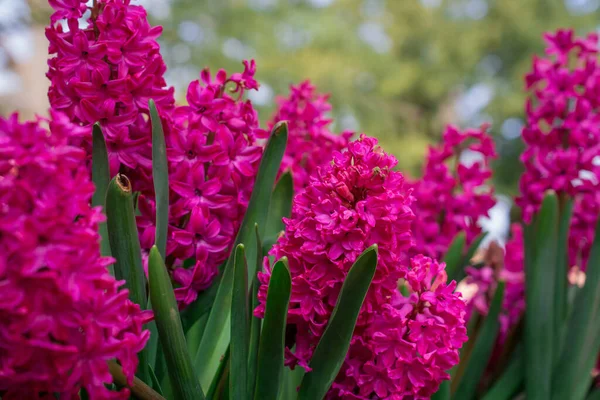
x,y
396,69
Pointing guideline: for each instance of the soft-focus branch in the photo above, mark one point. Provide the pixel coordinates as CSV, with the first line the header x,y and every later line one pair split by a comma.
x,y
139,389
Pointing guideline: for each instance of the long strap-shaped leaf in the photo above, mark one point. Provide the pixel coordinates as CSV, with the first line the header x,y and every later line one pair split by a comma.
x,y
213,345
333,345
539,317
510,381
255,323
101,178
482,350
160,176
184,380
560,280
281,205
240,335
582,342
443,392
272,340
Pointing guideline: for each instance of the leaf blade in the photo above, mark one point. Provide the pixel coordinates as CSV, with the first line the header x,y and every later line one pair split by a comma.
x,y
281,205
333,345
160,177
181,372
101,179
454,255
211,346
272,341
239,327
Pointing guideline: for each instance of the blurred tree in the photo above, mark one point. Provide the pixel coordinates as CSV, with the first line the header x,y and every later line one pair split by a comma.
x,y
397,69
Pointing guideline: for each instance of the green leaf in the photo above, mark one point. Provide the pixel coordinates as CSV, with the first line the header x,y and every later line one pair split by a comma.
x,y
454,256
572,375
213,345
160,176
539,291
151,348
443,392
155,382
272,340
560,279
240,330
219,381
125,248
595,395
181,372
466,261
255,323
291,381
281,205
333,345
507,386
482,349
101,178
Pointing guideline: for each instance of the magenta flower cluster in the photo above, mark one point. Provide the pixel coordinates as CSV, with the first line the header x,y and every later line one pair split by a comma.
x,y
401,346
62,314
452,195
213,152
106,71
310,142
562,134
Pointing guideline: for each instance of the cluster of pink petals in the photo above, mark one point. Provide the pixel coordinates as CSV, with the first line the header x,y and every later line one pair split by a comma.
x,y
213,153
512,272
562,134
62,315
452,195
310,142
401,347
106,71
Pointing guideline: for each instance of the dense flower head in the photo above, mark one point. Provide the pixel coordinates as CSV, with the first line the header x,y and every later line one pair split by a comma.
x,y
401,346
62,315
562,133
106,71
213,153
509,267
310,142
453,194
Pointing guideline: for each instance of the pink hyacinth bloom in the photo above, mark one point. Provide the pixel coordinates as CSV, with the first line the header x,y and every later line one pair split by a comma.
x,y
106,72
310,142
562,134
352,202
453,194
213,153
62,315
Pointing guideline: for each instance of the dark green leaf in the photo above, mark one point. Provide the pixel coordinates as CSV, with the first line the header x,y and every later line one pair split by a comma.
x,y
125,248
507,386
454,255
160,176
240,330
217,331
255,323
466,261
539,321
281,205
181,372
333,345
482,350
560,279
151,348
595,395
291,382
443,392
572,374
101,178
219,381
272,340
155,382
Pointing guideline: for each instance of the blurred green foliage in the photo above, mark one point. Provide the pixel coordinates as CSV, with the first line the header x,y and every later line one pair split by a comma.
x,y
396,69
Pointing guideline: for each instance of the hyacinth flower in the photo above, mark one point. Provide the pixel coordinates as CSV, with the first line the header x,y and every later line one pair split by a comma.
x,y
106,71
213,151
351,203
62,315
310,142
453,194
562,135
